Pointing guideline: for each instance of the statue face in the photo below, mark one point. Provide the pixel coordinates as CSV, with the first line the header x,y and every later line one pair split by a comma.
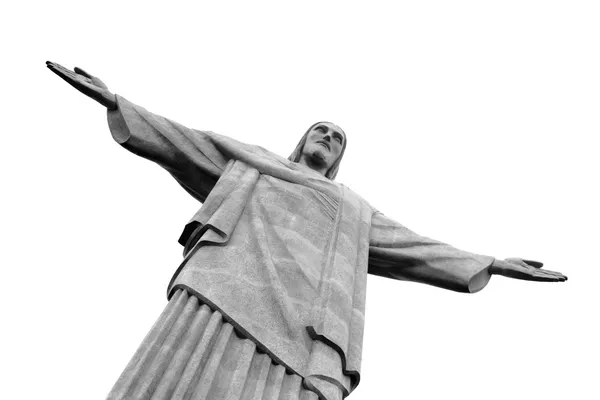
x,y
324,144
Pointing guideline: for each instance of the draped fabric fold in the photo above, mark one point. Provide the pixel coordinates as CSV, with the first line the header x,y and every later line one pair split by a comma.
x,y
191,352
283,252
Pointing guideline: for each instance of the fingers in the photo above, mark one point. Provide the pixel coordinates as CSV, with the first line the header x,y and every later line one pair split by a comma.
x,y
65,72
79,81
90,78
526,269
558,275
86,84
61,71
547,279
535,264
57,68
523,262
529,273
82,72
548,276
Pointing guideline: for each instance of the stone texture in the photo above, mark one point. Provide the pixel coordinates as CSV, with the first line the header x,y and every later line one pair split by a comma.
x,y
191,352
283,251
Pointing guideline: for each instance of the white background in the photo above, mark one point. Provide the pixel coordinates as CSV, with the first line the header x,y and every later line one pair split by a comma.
x,y
472,122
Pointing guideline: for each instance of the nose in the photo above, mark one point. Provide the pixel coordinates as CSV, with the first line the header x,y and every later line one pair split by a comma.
x,y
327,137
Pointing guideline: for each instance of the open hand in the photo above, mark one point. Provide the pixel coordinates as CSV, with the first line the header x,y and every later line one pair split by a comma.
x,y
87,84
528,270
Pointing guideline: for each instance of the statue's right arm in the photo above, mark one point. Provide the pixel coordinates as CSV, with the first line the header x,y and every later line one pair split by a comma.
x,y
190,156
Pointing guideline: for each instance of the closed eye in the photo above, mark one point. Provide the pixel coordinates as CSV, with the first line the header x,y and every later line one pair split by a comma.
x,y
320,128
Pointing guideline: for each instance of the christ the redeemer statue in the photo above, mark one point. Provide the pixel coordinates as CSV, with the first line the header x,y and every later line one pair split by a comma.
x,y
269,300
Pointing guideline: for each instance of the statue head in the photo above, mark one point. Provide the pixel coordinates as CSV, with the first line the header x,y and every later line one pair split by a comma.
x,y
321,148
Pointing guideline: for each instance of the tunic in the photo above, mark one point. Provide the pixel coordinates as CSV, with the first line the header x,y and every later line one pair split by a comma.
x,y
283,252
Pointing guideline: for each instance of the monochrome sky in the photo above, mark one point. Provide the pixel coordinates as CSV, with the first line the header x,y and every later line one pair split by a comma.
x,y
474,123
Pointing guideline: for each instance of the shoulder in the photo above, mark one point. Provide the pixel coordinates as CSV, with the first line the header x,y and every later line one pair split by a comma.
x,y
227,142
349,193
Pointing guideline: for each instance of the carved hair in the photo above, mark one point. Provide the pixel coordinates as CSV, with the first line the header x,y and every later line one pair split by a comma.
x,y
297,153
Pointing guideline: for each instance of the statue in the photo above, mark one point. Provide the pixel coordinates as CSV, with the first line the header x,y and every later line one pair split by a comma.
x,y
269,300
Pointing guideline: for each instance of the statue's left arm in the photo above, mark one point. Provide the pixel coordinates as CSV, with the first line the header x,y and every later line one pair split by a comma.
x,y
399,253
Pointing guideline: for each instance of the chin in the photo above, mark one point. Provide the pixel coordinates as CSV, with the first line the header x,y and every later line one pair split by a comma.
x,y
319,157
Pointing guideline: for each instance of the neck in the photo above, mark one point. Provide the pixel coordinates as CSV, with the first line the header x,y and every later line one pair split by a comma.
x,y
313,164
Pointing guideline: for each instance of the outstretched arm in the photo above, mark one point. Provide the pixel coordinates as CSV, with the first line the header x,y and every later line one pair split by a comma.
x,y
399,253
189,155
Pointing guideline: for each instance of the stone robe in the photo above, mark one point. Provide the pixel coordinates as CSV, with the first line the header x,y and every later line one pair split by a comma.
x,y
283,252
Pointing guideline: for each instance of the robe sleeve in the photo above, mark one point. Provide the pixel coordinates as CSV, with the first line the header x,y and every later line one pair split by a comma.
x,y
189,155
397,252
